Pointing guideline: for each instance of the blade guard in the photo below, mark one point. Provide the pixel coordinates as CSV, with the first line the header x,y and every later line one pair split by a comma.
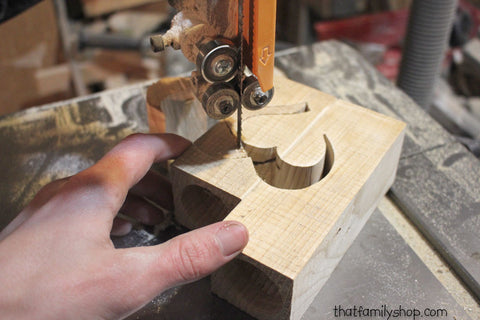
x,y
259,36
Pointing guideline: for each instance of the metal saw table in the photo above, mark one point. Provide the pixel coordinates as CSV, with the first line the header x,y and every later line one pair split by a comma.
x,y
420,249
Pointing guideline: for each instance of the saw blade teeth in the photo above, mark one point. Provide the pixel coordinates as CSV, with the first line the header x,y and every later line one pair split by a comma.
x,y
240,73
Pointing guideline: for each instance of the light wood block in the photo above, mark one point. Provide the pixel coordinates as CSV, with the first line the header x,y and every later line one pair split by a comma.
x,y
312,171
94,8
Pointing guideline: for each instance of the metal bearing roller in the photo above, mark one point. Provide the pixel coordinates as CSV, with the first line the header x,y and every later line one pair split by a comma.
x,y
253,97
220,101
217,62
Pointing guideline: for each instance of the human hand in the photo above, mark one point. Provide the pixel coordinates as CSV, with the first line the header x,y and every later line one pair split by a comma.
x,y
57,260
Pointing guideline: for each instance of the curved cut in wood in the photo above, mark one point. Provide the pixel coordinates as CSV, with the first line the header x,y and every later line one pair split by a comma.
x,y
297,235
281,174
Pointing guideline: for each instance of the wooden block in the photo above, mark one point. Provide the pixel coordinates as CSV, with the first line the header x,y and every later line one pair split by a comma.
x,y
94,8
30,41
311,173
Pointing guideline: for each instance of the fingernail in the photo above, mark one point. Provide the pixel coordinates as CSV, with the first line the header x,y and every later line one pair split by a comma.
x,y
232,238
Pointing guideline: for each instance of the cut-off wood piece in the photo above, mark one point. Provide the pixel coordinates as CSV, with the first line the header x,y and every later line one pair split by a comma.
x,y
172,108
304,185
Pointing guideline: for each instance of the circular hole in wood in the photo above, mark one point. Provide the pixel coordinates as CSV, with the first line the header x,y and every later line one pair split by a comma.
x,y
249,288
202,207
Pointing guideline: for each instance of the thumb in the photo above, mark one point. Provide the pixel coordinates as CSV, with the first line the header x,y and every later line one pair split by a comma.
x,y
193,255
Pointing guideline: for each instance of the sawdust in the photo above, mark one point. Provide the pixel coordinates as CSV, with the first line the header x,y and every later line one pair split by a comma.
x,y
430,257
165,299
44,144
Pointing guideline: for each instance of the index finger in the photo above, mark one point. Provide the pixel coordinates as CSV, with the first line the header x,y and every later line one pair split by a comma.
x,y
124,166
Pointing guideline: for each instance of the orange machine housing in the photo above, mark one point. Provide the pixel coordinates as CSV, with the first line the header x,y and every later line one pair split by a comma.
x,y
259,27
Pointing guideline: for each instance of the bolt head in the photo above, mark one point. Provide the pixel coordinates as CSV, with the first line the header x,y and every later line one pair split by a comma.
x,y
223,66
226,108
225,105
259,96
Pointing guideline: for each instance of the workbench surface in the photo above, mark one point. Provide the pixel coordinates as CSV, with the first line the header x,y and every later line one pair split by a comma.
x,y
436,195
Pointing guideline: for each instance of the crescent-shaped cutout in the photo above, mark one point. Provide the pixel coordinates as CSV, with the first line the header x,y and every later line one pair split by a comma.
x,y
279,173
